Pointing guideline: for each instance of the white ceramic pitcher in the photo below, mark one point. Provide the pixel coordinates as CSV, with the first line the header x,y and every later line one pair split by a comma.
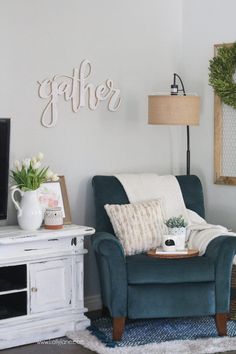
x,y
29,211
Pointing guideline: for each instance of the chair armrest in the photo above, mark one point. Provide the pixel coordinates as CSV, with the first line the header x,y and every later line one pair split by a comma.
x,y
99,240
113,276
222,251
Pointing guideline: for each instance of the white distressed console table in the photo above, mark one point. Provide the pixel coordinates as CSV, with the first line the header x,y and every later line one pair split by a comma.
x,y
41,283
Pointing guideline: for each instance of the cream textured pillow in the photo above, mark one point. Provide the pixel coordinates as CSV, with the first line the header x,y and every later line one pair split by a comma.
x,y
139,226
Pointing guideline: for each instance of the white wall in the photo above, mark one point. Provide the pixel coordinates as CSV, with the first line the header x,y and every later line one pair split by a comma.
x,y
136,43
205,24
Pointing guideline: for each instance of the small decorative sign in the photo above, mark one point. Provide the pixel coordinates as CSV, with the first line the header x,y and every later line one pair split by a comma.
x,y
76,89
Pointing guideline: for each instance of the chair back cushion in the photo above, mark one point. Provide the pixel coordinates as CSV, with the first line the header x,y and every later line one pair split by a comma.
x,y
191,188
109,190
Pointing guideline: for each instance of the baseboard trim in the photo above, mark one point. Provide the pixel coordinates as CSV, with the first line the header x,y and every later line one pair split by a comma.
x,y
93,302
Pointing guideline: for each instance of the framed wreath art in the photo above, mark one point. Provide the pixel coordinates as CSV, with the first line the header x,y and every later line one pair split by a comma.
x,y
222,78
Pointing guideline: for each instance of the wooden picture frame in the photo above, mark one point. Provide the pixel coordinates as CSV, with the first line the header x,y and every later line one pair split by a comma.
x,y
219,177
54,194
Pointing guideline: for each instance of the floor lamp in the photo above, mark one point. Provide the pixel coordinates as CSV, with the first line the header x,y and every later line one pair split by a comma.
x,y
175,109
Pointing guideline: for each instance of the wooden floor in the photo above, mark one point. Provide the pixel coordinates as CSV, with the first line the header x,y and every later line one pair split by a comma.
x,y
61,346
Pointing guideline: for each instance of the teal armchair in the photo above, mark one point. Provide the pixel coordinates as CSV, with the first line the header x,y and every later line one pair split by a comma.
x,y
140,286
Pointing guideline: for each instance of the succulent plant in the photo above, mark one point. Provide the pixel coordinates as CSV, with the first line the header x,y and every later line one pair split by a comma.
x,y
176,221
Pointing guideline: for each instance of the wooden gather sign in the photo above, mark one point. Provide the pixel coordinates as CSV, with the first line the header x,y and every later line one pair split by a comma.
x,y
78,91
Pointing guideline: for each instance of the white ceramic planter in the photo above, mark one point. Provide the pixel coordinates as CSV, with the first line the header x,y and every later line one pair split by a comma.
x,y
29,211
180,234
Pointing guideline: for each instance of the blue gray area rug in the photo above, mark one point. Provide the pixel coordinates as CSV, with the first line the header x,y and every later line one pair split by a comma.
x,y
141,332
196,335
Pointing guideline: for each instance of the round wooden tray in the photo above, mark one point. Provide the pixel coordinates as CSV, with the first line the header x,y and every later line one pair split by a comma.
x,y
191,253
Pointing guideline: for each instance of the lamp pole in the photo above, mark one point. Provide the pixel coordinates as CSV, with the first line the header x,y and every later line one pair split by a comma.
x,y
188,152
174,92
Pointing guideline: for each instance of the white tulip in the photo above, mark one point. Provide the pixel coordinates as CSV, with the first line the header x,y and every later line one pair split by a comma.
x,y
55,177
17,165
34,160
35,165
49,174
40,156
26,163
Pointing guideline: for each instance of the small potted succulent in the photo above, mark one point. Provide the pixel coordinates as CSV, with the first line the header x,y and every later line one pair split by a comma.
x,y
177,227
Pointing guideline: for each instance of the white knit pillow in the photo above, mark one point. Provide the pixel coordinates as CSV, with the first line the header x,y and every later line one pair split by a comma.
x,y
139,226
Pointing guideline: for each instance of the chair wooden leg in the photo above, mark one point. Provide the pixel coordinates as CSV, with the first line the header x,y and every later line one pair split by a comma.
x,y
118,327
221,323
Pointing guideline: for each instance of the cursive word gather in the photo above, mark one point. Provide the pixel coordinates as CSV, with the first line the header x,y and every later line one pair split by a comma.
x,y
76,89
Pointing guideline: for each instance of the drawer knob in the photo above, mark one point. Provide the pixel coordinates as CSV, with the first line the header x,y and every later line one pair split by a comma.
x,y
34,290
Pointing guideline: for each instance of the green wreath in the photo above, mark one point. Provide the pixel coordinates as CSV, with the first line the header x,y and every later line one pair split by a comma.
x,y
222,68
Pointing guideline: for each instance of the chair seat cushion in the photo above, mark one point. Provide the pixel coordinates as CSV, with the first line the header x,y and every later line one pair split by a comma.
x,y
143,269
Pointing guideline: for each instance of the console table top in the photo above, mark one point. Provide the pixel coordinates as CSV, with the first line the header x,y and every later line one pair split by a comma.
x,y
13,234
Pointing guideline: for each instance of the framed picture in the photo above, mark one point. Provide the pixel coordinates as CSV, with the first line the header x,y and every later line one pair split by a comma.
x,y
54,194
